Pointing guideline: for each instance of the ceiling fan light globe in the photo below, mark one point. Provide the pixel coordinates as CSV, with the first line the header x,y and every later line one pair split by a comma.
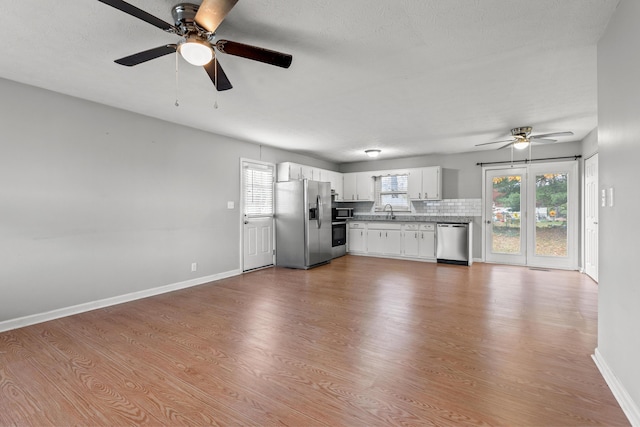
x,y
520,145
196,52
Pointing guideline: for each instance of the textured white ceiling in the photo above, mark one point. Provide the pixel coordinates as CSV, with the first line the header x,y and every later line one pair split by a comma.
x,y
410,77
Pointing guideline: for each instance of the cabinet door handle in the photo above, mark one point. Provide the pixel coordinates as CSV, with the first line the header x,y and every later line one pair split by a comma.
x,y
423,236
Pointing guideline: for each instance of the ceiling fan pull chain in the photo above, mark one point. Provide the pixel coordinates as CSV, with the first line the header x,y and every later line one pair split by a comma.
x,y
511,155
215,77
177,54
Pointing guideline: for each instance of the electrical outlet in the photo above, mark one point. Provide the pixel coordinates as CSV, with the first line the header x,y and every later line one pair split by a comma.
x,y
194,266
231,205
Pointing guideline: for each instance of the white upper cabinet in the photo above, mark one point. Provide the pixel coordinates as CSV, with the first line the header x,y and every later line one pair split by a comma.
x,y
335,178
414,183
364,185
425,183
432,183
288,171
349,187
358,186
307,172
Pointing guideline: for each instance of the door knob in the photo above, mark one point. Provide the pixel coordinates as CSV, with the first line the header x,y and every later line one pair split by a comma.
x,y
246,222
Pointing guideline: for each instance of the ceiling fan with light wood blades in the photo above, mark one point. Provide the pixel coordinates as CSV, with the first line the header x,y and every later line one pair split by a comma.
x,y
196,25
522,138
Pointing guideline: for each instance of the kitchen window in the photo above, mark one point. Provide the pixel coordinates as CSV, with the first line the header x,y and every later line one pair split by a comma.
x,y
392,190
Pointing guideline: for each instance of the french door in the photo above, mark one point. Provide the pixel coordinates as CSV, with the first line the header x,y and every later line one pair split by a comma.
x,y
531,215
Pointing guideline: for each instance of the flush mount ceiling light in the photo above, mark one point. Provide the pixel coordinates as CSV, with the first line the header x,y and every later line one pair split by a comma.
x,y
372,153
196,51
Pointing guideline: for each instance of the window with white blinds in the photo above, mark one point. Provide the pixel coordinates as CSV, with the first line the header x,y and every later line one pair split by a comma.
x,y
258,190
392,190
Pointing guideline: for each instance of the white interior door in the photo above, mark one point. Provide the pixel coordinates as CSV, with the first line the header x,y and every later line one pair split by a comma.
x,y
531,215
257,214
591,217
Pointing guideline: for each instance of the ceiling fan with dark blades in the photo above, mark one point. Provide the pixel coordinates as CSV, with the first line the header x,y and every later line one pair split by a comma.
x,y
522,138
197,26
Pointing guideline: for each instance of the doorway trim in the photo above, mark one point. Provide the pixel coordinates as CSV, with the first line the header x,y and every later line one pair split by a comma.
x,y
590,217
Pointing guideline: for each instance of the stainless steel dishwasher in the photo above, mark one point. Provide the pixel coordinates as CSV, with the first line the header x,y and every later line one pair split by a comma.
x,y
452,244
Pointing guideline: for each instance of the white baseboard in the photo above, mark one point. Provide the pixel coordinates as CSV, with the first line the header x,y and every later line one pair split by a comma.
x,y
628,406
32,319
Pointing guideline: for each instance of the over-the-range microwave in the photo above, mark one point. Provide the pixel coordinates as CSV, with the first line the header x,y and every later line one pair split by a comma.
x,y
342,213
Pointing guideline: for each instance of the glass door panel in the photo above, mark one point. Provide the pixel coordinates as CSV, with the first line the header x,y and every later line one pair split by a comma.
x,y
505,235
553,228
551,215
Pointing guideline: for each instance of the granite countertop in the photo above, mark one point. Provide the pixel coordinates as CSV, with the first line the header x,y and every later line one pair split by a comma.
x,y
413,218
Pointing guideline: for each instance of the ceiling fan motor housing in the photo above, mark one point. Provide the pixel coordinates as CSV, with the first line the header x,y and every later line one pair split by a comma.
x,y
184,15
522,132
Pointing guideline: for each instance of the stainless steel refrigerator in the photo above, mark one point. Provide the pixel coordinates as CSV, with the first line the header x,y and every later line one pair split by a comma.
x,y
303,223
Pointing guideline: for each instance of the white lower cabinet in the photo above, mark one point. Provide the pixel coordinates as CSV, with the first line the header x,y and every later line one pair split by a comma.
x,y
419,241
384,239
427,246
396,240
356,237
411,240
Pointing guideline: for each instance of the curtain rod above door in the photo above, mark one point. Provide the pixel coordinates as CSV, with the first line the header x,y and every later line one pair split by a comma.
x,y
576,157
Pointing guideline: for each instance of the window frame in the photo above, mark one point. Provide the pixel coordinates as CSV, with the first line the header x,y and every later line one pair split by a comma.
x,y
378,205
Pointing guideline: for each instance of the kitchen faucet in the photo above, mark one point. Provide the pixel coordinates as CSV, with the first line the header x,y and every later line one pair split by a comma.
x,y
385,208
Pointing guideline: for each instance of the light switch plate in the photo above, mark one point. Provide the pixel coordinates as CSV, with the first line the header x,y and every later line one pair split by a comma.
x,y
611,197
231,205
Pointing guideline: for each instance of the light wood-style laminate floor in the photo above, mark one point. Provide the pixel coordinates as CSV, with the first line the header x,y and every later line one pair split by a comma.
x,y
359,342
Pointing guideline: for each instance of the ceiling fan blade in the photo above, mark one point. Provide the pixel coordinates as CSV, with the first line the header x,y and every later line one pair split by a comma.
x,y
147,55
508,145
544,140
140,14
495,142
212,12
255,53
217,75
544,135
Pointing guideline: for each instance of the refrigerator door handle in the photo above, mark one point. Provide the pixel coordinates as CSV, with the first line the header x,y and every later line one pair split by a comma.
x,y
319,209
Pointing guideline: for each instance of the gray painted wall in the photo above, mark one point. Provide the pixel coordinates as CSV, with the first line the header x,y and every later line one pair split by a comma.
x,y
461,177
619,151
97,202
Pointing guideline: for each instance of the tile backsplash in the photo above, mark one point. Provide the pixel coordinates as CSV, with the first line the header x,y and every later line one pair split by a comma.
x,y
445,207
449,207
